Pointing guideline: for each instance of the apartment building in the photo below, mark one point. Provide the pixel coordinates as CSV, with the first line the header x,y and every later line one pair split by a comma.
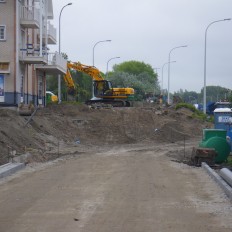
x,y
26,33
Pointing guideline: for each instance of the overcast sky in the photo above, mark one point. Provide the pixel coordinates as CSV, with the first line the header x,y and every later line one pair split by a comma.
x,y
147,30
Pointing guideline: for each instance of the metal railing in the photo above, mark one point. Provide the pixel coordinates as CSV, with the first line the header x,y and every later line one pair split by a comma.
x,y
51,30
29,13
57,59
51,58
31,50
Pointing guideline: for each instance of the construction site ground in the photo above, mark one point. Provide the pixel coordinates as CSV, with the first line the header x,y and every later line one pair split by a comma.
x,y
107,169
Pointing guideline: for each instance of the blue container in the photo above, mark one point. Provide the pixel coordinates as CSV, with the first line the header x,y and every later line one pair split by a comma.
x,y
223,121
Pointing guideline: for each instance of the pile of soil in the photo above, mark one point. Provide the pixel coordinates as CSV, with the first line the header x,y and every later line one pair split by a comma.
x,y
66,128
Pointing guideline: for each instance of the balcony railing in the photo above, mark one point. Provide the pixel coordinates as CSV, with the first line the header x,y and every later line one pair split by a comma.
x,y
55,64
50,36
29,16
30,54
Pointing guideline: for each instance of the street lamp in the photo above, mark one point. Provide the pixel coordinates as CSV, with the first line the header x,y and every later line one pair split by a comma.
x,y
184,46
162,87
59,76
204,96
156,71
117,57
102,41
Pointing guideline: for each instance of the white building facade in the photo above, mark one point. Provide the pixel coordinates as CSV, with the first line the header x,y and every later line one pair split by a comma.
x,y
26,32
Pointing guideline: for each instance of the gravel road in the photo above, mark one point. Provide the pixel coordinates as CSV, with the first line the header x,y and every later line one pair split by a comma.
x,y
127,188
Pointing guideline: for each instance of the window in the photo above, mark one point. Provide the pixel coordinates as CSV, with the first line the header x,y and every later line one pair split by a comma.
x,y
2,1
2,32
4,67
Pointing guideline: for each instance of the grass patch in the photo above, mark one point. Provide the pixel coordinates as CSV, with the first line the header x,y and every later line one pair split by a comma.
x,y
196,113
229,160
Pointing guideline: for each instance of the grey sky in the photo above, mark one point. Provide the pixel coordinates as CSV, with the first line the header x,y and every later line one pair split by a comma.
x,y
146,30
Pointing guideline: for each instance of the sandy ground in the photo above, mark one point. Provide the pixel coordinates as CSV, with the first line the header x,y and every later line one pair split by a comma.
x,y
114,169
57,128
119,188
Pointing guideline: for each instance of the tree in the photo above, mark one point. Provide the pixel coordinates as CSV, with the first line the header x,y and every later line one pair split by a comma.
x,y
52,84
215,93
187,96
84,85
135,67
137,75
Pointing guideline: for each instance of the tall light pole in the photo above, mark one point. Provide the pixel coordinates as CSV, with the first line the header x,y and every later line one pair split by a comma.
x,y
204,97
101,41
162,85
169,57
117,57
59,76
156,71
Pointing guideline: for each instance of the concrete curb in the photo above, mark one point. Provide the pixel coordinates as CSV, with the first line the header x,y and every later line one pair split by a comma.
x,y
10,168
226,188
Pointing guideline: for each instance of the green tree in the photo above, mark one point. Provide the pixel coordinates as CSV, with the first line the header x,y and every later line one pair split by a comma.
x,y
84,85
137,75
187,96
135,67
52,84
215,93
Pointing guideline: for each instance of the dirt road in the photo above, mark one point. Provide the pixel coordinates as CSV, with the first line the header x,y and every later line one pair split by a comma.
x,y
131,188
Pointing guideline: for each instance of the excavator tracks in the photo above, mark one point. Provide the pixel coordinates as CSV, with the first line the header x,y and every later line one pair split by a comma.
x,y
115,103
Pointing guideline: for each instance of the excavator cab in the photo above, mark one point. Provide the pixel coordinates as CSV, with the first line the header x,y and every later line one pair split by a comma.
x,y
102,88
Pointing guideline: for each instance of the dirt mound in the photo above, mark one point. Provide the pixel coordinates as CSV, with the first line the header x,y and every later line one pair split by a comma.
x,y
58,128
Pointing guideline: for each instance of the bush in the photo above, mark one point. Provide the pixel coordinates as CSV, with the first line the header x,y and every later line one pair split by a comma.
x,y
196,113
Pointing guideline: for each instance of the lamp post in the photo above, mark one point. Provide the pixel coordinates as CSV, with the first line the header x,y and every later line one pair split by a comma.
x,y
162,87
204,95
59,76
156,71
184,46
101,41
117,57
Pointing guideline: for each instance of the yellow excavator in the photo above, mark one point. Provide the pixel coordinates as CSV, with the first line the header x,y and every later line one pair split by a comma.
x,y
102,89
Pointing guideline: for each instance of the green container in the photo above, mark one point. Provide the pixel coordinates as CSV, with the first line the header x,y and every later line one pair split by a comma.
x,y
48,98
216,138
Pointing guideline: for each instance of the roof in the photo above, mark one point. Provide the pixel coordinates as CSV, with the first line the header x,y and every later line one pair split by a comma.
x,y
222,110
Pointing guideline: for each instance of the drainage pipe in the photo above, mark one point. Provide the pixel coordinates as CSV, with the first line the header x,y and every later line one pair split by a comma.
x,y
226,174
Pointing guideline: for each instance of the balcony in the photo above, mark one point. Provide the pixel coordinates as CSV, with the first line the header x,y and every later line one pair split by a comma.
x,y
51,34
29,17
56,64
50,37
31,55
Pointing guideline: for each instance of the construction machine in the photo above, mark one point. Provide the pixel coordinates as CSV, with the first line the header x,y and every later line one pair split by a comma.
x,y
102,89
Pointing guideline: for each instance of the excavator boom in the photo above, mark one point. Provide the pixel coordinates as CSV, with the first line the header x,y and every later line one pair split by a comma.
x,y
90,70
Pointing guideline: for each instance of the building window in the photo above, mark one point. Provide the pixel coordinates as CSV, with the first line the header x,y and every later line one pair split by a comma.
x,y
4,67
2,32
2,1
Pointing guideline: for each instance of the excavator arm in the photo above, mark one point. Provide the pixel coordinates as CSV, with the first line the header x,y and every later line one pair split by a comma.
x,y
90,70
70,83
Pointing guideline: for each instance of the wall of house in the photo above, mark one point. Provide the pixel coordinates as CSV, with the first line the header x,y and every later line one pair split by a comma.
x,y
8,49
23,83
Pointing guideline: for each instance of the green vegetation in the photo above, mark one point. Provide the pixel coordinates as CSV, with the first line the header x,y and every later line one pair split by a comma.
x,y
137,75
229,160
214,94
196,113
